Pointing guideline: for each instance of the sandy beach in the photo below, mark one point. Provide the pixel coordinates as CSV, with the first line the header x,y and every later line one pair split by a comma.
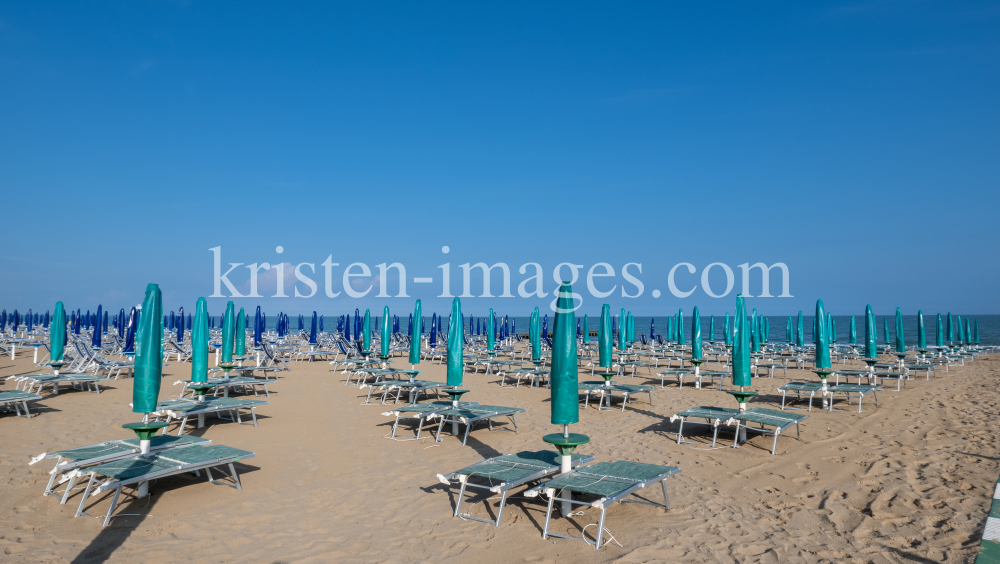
x,y
906,481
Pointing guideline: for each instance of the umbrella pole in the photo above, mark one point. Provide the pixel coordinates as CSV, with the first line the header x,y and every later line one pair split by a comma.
x,y
566,465
144,449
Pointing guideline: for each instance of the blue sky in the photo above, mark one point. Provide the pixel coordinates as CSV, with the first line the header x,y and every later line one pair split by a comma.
x,y
857,143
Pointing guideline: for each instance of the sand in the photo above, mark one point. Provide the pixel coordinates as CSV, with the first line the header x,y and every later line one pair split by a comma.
x,y
907,481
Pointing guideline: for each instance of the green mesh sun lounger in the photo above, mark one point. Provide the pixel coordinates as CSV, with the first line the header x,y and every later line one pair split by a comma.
x,y
77,381
847,389
778,420
412,387
422,411
808,389
18,399
470,416
603,392
611,482
133,471
69,461
244,384
713,416
186,408
678,373
504,473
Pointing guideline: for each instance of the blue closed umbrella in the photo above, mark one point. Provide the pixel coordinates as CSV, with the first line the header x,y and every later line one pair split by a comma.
x,y
312,329
95,340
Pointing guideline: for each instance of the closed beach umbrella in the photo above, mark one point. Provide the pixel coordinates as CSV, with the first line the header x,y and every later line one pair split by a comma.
x,y
386,337
696,334
180,325
228,334
652,328
199,342
586,330
754,344
885,329
951,328
604,337
621,330
313,328
726,333
241,333
95,340
821,338
711,329
257,327
130,331
491,331
741,345
357,325
680,327
900,342
800,331
149,355
76,326
921,334
535,335
57,333
958,329
871,334
788,330
455,364
968,330
433,339
938,332
366,331
415,336
545,326
854,331
564,382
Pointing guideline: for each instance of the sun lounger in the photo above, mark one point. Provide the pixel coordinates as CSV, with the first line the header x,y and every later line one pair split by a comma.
x,y
504,473
186,408
624,390
799,389
611,482
422,411
534,376
412,387
779,420
847,389
713,416
144,468
678,373
77,381
18,399
712,376
470,416
70,461
225,384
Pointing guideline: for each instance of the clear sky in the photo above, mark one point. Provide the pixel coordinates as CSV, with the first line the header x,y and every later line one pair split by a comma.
x,y
857,143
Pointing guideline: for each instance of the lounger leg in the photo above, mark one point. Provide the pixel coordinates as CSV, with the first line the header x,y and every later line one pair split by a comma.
x,y
680,433
68,490
548,517
503,500
513,419
114,502
468,427
461,496
666,498
208,472
774,445
600,528
437,436
86,495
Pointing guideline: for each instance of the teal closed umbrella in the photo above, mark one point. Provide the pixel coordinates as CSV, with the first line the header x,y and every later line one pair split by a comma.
x,y
711,329
951,328
741,345
490,332
415,331
564,385
726,333
900,341
821,338
241,334
586,330
604,337
621,330
680,327
57,334
754,343
921,334
968,330
227,334
199,342
696,334
149,353
800,331
788,331
854,331
385,339
535,334
833,328
871,334
455,329
938,332
885,329
958,329
366,328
